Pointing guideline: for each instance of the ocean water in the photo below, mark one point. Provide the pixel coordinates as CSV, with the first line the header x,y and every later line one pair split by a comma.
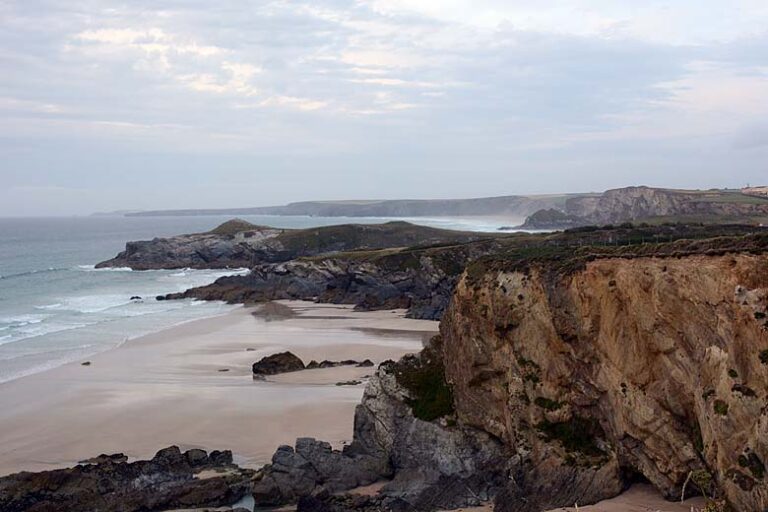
x,y
55,307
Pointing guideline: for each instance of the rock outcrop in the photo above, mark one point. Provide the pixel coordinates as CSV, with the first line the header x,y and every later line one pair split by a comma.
x,y
637,204
419,279
403,433
648,362
287,362
562,375
172,479
283,362
238,244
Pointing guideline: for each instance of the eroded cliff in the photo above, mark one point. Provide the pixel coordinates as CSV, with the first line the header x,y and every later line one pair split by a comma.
x,y
597,369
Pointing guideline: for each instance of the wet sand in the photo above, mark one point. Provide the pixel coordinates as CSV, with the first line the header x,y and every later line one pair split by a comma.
x,y
167,388
638,498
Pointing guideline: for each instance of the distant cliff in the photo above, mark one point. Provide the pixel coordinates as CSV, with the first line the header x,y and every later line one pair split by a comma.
x,y
508,206
239,244
645,204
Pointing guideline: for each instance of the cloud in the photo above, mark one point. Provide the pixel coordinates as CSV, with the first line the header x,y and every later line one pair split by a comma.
x,y
529,97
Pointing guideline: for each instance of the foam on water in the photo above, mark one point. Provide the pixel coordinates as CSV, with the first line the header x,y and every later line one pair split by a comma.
x,y
57,307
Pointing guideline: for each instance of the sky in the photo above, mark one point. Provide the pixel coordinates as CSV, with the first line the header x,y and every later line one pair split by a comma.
x,y
108,105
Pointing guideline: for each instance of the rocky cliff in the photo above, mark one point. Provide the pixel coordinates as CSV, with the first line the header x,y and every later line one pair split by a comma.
x,y
514,206
599,368
418,279
632,204
239,244
421,279
562,375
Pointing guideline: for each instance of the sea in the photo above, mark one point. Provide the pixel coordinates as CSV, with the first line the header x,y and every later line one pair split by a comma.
x,y
56,307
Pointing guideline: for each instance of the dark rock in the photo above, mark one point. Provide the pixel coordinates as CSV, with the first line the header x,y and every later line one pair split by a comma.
x,y
108,482
100,459
238,244
223,370
283,362
136,297
313,365
349,383
420,280
365,364
85,363
429,466
552,219
314,467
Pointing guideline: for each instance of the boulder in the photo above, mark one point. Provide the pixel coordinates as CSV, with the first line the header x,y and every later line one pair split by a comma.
x,y
283,362
171,480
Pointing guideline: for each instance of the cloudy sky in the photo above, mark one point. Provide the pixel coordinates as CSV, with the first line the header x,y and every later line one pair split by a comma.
x,y
109,105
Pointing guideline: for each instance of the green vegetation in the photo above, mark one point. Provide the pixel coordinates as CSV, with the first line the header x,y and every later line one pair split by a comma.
x,y
233,227
344,237
547,403
575,435
424,378
562,254
530,369
721,407
753,463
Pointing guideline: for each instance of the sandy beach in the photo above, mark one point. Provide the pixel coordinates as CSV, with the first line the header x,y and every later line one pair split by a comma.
x,y
169,388
638,498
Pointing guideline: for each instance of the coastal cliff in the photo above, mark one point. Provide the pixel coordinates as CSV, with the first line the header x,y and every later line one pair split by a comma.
x,y
418,279
563,375
634,365
239,244
647,204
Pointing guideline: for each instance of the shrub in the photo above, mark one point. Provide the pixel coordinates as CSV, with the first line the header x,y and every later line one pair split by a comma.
x,y
721,407
424,378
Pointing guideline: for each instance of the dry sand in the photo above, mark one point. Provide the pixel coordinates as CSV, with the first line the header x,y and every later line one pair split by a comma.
x,y
166,388
639,498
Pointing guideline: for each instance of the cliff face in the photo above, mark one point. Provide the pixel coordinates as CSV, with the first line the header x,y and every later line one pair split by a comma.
x,y
421,280
649,366
237,244
650,204
517,206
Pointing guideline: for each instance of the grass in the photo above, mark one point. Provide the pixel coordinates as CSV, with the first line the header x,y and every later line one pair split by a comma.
x,y
577,435
430,397
753,463
570,251
721,408
547,403
233,227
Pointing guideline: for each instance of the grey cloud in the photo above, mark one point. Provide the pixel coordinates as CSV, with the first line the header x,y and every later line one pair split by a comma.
x,y
346,102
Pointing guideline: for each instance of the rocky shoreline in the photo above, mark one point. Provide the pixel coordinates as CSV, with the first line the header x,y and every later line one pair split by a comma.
x,y
568,367
172,479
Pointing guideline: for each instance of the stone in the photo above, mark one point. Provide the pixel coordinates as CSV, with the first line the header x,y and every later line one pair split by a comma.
x,y
108,482
274,364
